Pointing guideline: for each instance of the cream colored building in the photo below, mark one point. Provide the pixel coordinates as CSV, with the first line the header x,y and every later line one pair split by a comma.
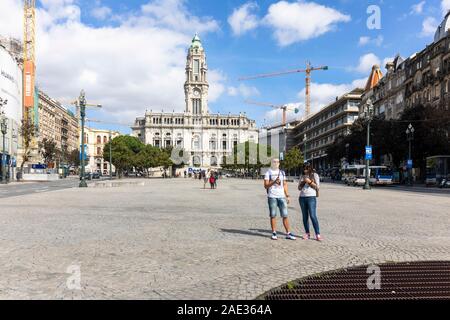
x,y
95,141
207,138
58,124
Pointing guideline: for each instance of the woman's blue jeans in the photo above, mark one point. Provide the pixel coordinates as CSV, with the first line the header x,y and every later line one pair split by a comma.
x,y
309,210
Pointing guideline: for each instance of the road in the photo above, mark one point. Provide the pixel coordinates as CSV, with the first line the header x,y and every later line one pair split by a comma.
x,y
20,189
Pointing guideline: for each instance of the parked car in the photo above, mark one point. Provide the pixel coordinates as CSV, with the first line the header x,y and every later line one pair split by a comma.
x,y
96,175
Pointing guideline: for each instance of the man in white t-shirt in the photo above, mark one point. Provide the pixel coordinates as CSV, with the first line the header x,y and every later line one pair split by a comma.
x,y
278,197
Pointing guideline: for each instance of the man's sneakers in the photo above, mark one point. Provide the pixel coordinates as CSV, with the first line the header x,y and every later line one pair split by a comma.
x,y
289,236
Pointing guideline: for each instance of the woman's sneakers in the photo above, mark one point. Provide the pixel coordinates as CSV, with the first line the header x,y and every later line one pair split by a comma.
x,y
319,237
290,236
306,236
274,236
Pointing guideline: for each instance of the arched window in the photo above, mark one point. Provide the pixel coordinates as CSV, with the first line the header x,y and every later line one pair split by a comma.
x,y
196,161
196,143
105,140
99,140
214,161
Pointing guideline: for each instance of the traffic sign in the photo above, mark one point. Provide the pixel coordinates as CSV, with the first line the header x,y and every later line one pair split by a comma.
x,y
410,164
369,155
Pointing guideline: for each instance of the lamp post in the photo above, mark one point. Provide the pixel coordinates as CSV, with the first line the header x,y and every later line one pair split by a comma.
x,y
410,137
110,155
81,103
4,129
368,115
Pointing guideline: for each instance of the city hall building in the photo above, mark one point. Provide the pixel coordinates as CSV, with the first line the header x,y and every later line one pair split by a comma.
x,y
206,138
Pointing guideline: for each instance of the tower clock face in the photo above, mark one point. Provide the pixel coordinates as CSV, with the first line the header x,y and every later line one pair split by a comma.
x,y
196,93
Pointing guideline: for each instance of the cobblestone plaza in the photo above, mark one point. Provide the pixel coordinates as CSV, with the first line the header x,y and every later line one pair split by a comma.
x,y
170,239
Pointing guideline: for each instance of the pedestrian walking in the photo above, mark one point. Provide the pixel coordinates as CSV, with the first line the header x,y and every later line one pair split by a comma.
x,y
278,198
309,186
206,177
212,181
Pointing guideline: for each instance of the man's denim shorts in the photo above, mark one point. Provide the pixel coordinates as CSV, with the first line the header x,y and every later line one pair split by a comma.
x,y
279,203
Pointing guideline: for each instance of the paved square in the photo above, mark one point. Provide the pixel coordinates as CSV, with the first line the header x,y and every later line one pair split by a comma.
x,y
170,239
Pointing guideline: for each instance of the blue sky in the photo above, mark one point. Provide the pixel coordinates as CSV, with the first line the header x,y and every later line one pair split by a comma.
x,y
129,55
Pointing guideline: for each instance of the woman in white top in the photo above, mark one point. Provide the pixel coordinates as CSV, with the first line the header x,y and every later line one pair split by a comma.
x,y
309,191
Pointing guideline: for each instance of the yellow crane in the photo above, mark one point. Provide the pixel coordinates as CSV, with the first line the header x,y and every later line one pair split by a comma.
x,y
283,107
29,58
309,69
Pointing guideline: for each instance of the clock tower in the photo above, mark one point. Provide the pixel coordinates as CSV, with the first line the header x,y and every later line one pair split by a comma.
x,y
196,85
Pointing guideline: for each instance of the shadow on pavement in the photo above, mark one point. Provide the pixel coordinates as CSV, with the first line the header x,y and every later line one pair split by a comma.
x,y
246,232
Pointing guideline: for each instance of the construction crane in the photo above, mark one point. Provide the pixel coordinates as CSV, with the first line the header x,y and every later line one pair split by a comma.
x,y
29,58
283,107
309,69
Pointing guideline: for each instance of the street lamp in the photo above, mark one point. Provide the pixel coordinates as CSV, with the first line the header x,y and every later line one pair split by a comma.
x,y
4,129
368,116
110,155
81,103
410,137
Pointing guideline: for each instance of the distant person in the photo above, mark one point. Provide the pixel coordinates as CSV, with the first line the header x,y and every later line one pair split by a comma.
x,y
216,178
205,178
185,174
309,186
278,198
212,181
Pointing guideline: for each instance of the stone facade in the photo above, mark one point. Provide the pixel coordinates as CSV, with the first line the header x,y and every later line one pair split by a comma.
x,y
57,123
95,140
207,138
320,130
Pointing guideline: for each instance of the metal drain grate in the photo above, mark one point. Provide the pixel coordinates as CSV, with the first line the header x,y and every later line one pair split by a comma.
x,y
399,281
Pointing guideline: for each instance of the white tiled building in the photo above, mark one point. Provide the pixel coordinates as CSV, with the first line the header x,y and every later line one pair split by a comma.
x,y
206,138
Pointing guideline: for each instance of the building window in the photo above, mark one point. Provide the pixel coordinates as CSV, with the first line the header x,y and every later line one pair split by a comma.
x,y
99,140
196,161
99,151
197,106
158,143
214,161
196,66
105,140
196,143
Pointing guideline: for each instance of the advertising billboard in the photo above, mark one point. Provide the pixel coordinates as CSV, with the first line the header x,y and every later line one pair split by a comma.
x,y
11,85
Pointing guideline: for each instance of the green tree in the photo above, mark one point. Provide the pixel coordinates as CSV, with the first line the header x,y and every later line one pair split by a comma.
x,y
48,151
73,158
124,151
246,158
27,132
294,160
148,157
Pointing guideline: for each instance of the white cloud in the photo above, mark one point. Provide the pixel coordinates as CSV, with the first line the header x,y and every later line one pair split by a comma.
x,y
101,13
243,90
418,7
134,66
300,21
243,20
364,40
366,62
445,6
173,14
429,27
378,41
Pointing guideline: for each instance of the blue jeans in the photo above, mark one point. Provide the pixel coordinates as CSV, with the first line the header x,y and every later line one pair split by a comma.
x,y
309,210
278,203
